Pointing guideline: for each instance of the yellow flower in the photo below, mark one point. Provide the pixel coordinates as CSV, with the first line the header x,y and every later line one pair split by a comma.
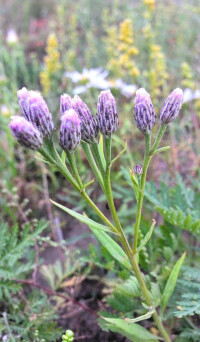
x,y
187,76
150,4
45,81
51,63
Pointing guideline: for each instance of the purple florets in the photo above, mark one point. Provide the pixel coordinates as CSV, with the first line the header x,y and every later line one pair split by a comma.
x,y
70,130
35,110
137,170
171,107
22,96
143,111
107,117
65,103
25,133
89,128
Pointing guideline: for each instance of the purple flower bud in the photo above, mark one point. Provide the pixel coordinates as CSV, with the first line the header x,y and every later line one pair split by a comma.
x,y
25,133
70,130
171,107
107,117
35,110
89,128
22,96
38,113
137,170
143,111
65,103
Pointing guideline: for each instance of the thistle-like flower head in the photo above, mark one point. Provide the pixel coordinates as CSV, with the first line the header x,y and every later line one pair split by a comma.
x,y
143,111
65,103
107,117
70,130
35,110
171,107
89,128
25,133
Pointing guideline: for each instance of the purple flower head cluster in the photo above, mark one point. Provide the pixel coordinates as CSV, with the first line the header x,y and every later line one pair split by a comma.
x,y
70,130
89,128
25,133
107,117
35,110
65,103
171,107
137,170
143,111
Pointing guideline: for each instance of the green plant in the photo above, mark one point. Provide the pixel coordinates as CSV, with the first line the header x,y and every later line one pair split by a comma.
x,y
34,130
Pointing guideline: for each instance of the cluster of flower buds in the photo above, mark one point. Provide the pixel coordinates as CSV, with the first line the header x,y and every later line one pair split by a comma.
x,y
144,113
77,122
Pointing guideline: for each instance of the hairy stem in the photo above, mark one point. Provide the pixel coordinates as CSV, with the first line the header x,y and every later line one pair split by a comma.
x,y
147,158
73,167
92,163
97,157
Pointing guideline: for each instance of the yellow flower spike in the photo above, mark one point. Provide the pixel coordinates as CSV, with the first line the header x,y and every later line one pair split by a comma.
x,y
51,63
150,4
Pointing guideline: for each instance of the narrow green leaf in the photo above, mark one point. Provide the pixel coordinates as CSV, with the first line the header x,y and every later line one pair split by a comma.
x,y
140,318
63,157
112,247
147,236
162,149
134,332
83,218
171,283
101,152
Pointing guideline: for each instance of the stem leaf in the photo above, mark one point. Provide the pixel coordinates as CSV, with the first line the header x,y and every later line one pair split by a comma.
x,y
112,247
84,219
140,318
134,332
147,236
171,283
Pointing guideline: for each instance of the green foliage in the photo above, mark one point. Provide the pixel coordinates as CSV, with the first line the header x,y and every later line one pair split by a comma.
x,y
178,205
171,283
22,313
14,251
188,289
134,332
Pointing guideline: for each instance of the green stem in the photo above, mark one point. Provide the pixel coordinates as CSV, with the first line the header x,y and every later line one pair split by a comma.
x,y
97,157
147,158
92,163
49,152
63,169
72,163
158,138
109,197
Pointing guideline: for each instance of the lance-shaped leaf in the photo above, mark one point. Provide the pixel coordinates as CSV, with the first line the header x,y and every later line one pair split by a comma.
x,y
171,283
83,218
134,332
112,247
